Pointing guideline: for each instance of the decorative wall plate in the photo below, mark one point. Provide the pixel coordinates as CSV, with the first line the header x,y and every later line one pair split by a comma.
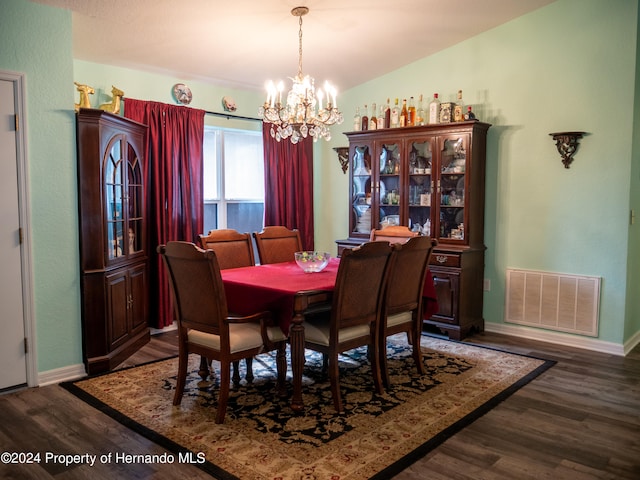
x,y
182,93
229,104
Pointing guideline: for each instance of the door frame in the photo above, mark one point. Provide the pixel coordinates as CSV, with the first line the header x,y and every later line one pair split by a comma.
x,y
24,209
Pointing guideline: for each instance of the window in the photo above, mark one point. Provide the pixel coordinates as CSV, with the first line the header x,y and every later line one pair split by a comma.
x,y
233,179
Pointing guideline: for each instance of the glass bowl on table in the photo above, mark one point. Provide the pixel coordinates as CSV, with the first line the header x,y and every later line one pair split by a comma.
x,y
312,261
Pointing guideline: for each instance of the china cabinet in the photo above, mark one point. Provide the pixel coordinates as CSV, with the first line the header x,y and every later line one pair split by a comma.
x,y
431,179
113,256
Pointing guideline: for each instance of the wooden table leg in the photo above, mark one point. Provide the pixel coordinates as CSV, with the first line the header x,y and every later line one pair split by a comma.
x,y
303,302
296,339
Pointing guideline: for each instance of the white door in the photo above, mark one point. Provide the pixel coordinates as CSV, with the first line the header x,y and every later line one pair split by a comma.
x,y
13,362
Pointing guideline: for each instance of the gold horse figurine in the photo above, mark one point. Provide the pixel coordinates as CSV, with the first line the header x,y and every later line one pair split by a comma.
x,y
85,91
116,98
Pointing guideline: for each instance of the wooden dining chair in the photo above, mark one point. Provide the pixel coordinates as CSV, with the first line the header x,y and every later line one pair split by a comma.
x,y
392,234
204,324
233,249
355,312
403,299
277,244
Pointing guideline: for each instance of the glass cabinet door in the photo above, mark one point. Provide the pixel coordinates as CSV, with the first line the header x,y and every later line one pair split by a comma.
x,y
389,192
135,203
420,185
453,188
362,195
114,201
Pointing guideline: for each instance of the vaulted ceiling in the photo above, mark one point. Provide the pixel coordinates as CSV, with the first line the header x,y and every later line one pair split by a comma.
x,y
241,43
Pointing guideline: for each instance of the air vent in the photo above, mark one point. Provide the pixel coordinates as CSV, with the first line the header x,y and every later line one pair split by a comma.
x,y
555,301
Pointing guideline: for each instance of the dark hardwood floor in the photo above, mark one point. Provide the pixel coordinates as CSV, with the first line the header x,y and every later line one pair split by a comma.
x,y
579,420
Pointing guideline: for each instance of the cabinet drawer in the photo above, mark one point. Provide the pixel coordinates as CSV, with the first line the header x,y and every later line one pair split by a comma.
x,y
445,259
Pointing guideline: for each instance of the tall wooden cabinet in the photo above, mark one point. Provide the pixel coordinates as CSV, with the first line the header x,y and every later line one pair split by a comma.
x,y
113,256
431,179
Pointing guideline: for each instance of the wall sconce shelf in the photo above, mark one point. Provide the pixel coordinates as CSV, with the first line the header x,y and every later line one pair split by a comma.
x,y
343,157
567,144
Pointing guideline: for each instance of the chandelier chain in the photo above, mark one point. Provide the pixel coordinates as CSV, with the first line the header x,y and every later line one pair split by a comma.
x,y
300,48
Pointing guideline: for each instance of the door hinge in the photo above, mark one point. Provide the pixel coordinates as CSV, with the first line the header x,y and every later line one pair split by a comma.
x,y
20,237
17,122
26,345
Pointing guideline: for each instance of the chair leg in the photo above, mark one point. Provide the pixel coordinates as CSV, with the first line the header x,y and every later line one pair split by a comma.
x,y
223,394
417,352
375,367
236,374
204,368
335,383
281,366
183,360
384,370
249,375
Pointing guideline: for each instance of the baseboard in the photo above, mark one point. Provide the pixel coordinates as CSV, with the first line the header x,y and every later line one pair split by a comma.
x,y
64,374
563,339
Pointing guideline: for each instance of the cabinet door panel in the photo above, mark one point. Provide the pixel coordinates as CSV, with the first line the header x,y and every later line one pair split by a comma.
x,y
137,278
117,307
447,286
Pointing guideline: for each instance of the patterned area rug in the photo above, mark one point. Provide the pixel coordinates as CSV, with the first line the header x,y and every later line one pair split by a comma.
x,y
376,437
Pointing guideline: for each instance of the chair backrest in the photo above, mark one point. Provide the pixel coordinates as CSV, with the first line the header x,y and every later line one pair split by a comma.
x,y
233,249
277,244
358,292
407,275
198,292
392,234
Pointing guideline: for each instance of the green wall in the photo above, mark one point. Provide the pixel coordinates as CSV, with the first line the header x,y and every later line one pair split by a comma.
x,y
36,40
632,326
555,69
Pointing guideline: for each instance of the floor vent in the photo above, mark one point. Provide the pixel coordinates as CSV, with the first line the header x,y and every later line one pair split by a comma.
x,y
562,302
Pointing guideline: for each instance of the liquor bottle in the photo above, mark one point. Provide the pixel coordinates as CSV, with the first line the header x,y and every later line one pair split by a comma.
x,y
469,115
420,113
381,119
373,121
357,120
404,114
458,110
387,115
411,119
434,110
395,116
365,119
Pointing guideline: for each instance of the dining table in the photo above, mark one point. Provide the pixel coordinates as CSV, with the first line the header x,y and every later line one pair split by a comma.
x,y
289,294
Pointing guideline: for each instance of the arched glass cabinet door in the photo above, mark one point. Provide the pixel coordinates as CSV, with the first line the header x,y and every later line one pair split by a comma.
x,y
362,190
124,197
114,192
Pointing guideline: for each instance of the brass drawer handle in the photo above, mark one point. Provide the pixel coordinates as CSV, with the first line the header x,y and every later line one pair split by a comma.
x,y
441,259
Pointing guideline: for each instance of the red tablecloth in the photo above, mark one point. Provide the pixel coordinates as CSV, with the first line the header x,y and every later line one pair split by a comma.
x,y
272,287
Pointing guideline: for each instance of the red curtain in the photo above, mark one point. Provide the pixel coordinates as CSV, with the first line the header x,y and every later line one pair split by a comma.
x,y
288,176
175,206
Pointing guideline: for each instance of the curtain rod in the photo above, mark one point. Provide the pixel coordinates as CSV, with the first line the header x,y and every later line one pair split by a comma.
x,y
229,115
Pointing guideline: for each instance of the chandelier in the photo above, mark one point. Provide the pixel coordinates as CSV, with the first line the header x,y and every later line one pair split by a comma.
x,y
304,114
